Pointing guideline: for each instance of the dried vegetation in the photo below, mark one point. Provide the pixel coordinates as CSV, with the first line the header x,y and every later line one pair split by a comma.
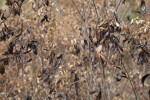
x,y
75,50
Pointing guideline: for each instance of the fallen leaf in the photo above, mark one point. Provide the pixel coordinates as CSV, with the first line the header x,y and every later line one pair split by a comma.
x,y
144,78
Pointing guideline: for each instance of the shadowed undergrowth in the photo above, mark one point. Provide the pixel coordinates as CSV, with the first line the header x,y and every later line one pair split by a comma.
x,y
75,50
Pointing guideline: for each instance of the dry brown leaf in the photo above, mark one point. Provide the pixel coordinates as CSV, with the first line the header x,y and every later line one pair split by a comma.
x,y
126,28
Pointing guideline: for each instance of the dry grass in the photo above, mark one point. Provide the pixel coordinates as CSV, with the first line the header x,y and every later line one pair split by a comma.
x,y
78,52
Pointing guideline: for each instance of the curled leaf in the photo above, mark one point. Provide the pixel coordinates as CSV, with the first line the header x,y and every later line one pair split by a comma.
x,y
99,96
3,62
144,78
116,16
33,45
2,69
51,57
143,57
92,92
119,77
124,1
143,7
86,45
76,84
29,29
45,18
77,49
29,60
60,56
47,2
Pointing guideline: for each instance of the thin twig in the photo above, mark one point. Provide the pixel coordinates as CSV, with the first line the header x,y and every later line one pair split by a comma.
x,y
78,10
97,16
96,10
129,80
118,5
117,8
